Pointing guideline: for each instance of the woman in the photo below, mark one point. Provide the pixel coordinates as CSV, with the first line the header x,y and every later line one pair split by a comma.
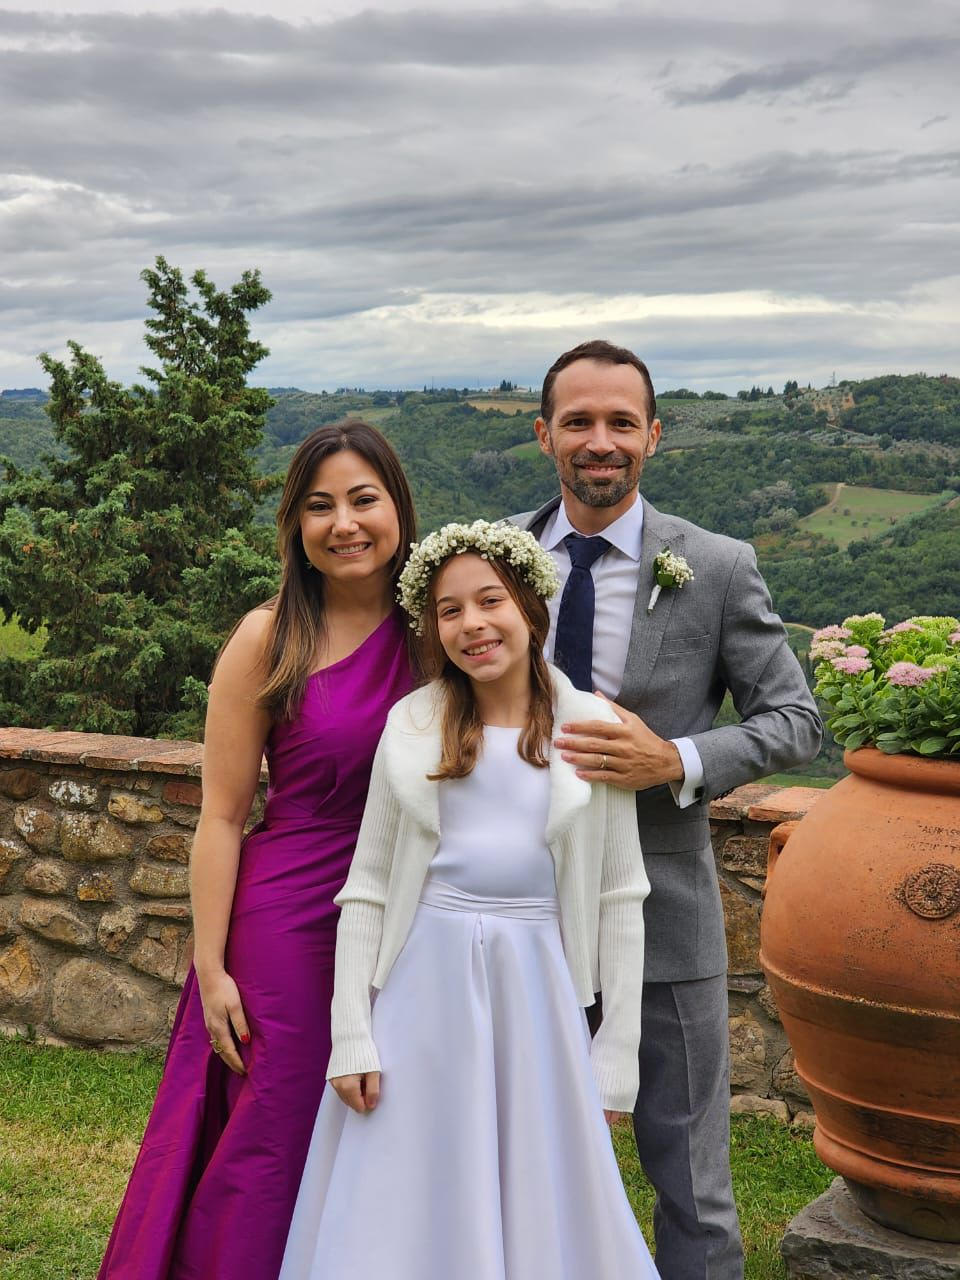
x,y
491,893
308,678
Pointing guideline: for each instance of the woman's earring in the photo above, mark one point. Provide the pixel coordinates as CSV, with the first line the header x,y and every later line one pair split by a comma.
x,y
308,563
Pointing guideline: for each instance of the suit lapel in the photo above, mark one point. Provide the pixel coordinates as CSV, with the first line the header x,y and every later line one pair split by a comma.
x,y
646,633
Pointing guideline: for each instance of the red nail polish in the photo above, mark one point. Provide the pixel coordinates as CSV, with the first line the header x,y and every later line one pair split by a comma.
x,y
245,1039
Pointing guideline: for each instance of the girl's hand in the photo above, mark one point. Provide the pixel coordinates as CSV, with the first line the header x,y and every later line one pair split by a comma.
x,y
612,1117
360,1093
224,1016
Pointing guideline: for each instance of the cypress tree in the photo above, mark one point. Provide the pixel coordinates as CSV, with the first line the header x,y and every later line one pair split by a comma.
x,y
136,550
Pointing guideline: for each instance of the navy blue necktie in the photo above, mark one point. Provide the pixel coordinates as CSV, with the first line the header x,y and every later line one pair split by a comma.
x,y
573,644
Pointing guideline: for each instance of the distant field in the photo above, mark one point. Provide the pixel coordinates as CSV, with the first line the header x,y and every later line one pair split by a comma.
x,y
529,450
855,512
15,643
506,406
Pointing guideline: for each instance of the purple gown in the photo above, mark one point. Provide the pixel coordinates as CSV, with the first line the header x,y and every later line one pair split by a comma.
x,y
213,1188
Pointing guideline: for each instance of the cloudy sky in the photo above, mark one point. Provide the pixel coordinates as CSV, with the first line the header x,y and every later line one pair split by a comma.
x,y
743,190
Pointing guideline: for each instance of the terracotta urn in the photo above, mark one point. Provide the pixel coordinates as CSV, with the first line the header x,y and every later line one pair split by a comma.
x,y
860,943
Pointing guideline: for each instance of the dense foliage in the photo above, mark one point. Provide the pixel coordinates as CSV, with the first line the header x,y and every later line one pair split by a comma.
x,y
913,408
135,548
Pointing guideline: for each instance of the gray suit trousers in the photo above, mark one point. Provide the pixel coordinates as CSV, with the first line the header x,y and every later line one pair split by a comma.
x,y
682,1126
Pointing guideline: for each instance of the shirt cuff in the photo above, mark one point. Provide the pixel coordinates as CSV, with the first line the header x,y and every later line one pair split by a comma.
x,y
688,791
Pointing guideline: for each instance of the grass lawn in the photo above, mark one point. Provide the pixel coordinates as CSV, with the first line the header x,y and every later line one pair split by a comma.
x,y
70,1122
855,511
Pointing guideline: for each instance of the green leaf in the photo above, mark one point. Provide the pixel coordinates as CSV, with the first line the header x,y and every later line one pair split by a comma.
x,y
930,746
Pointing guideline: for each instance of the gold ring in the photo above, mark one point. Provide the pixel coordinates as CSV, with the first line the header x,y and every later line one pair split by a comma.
x,y
216,1046
603,764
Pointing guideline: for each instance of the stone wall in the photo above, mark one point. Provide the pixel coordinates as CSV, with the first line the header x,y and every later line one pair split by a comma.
x,y
95,937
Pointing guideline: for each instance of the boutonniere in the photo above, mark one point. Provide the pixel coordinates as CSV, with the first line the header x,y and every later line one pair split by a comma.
x,y
668,571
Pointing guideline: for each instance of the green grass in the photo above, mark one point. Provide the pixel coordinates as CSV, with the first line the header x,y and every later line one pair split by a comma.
x,y
855,511
799,780
71,1120
17,643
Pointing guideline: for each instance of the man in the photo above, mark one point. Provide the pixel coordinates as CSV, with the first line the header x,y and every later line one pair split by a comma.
x,y
666,660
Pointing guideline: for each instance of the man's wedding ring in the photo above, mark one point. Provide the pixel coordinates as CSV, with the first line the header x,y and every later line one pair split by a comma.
x,y
603,764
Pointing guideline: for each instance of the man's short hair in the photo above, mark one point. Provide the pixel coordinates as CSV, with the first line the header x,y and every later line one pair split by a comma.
x,y
597,349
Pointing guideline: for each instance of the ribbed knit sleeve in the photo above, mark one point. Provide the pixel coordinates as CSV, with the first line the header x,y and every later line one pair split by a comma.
x,y
623,888
360,928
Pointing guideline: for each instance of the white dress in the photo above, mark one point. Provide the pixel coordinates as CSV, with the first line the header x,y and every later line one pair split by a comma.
x,y
488,1156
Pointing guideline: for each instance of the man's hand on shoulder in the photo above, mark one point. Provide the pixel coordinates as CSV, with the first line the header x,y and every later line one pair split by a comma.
x,y
627,754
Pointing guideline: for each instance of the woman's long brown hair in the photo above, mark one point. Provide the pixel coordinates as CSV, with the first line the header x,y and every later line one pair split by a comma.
x,y
461,728
298,625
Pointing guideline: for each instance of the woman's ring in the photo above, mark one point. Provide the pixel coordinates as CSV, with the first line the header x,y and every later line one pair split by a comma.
x,y
216,1046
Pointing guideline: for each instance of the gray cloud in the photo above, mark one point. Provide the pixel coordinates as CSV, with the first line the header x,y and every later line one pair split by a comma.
x,y
378,162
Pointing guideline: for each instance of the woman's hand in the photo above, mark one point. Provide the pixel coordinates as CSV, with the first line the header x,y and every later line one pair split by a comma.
x,y
224,1016
612,1117
360,1093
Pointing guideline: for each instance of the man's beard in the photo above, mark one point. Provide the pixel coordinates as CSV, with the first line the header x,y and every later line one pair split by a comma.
x,y
602,493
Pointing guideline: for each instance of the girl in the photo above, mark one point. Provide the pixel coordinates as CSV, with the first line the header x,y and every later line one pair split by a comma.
x,y
492,892
309,677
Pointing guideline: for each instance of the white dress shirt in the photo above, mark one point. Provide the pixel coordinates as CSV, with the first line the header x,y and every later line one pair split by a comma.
x,y
615,578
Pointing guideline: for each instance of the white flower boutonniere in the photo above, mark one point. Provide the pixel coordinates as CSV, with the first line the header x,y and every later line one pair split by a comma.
x,y
668,571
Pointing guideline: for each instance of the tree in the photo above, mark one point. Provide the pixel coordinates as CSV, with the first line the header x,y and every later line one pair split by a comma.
x,y
136,549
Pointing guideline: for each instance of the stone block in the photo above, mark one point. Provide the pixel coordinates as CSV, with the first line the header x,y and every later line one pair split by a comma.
x,y
768,1004
48,875
8,917
748,1052
132,809
162,952
183,793
21,980
10,852
733,807
748,1104
74,795
56,923
20,784
788,1084
784,804
160,881
86,837
174,847
742,920
746,855
92,1003
804,1121
832,1240
96,887
38,827
115,929
167,910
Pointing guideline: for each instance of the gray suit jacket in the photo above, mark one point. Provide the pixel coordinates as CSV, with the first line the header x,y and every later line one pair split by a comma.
x,y
715,633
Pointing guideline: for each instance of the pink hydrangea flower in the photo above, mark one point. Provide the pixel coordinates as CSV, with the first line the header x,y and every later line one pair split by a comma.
x,y
851,666
857,651
821,649
831,633
954,637
905,626
907,675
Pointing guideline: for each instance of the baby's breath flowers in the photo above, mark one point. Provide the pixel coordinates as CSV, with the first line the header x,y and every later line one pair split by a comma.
x,y
501,541
669,570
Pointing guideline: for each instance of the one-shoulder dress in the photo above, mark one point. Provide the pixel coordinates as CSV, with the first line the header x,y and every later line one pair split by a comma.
x,y
213,1188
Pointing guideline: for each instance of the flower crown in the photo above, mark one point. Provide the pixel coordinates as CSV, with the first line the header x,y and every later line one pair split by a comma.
x,y
490,541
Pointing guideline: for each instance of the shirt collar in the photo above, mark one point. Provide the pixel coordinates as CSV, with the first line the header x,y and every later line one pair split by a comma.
x,y
626,532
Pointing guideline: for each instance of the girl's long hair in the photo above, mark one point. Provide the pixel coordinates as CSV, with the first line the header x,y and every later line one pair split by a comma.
x,y
461,729
298,625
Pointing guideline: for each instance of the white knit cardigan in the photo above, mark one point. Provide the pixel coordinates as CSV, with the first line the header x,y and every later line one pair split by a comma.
x,y
601,884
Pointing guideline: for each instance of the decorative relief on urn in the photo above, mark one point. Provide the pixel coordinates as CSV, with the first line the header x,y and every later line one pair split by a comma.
x,y
933,892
